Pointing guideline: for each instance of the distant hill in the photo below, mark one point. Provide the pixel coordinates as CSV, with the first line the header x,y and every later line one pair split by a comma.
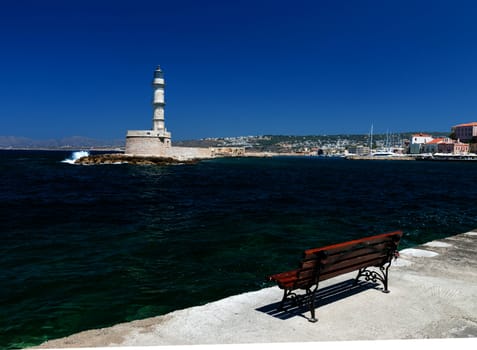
x,y
73,142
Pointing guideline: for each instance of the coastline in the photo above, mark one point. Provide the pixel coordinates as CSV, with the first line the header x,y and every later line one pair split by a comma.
x,y
355,157
432,287
109,153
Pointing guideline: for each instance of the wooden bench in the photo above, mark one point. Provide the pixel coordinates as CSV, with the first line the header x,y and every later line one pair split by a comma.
x,y
320,264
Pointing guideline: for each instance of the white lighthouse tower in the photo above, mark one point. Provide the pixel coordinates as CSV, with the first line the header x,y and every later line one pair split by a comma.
x,y
158,140
158,84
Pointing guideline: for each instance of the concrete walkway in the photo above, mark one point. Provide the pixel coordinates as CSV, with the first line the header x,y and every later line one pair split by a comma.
x,y
433,295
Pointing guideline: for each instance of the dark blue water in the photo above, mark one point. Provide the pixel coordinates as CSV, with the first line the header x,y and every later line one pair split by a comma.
x,y
85,247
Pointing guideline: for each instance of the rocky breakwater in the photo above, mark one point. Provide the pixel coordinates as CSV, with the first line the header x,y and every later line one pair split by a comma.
x,y
119,158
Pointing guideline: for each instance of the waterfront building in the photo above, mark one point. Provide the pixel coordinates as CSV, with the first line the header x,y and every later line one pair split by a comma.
x,y
432,146
417,140
452,147
359,150
465,132
421,138
473,148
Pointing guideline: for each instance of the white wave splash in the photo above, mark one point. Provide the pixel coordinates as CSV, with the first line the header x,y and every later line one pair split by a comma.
x,y
75,156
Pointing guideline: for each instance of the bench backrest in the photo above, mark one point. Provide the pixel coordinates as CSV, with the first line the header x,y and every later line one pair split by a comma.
x,y
319,264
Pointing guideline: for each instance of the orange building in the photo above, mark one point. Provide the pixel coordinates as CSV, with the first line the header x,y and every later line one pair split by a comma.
x,y
453,147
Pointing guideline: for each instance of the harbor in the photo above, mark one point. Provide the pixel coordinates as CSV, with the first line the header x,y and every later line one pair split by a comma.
x,y
424,157
432,289
447,157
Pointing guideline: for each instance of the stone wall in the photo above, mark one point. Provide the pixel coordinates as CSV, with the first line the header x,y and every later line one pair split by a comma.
x,y
228,151
161,147
151,146
183,153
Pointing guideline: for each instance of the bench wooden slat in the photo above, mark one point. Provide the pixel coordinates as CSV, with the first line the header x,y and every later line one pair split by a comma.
x,y
296,283
349,254
283,275
335,273
300,279
343,264
369,240
358,249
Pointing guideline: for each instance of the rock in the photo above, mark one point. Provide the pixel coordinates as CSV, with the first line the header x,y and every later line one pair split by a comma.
x,y
118,158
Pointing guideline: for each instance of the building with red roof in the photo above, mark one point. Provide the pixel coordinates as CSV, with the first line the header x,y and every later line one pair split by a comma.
x,y
465,132
432,146
453,147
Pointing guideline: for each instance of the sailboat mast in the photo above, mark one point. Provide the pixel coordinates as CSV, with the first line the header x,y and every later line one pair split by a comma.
x,y
387,140
371,140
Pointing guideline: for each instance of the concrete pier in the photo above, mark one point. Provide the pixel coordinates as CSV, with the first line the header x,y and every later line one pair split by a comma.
x,y
433,296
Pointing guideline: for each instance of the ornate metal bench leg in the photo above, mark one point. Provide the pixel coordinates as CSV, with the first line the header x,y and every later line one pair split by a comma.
x,y
356,280
375,276
311,301
285,294
288,294
385,279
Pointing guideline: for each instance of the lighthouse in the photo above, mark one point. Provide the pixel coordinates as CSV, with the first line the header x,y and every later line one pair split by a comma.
x,y
158,102
157,141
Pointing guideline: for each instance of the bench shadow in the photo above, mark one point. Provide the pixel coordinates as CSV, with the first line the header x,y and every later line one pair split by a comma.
x,y
323,297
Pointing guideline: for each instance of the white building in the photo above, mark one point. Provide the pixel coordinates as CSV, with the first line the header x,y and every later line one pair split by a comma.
x,y
417,140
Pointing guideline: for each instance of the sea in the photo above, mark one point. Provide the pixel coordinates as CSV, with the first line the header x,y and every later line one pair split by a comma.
x,y
86,247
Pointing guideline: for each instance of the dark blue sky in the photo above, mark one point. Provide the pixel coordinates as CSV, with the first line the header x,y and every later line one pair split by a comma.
x,y
237,67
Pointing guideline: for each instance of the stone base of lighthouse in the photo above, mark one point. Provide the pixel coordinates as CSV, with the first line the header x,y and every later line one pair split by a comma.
x,y
145,143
